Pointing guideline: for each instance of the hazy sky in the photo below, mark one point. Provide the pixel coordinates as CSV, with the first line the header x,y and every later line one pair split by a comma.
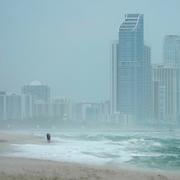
x,y
66,43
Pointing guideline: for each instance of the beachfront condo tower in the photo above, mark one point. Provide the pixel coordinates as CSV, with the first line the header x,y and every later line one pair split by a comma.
x,y
131,69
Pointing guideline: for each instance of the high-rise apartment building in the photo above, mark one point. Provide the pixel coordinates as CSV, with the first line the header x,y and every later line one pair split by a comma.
x,y
61,109
165,92
13,107
131,69
171,50
26,106
37,99
171,57
37,90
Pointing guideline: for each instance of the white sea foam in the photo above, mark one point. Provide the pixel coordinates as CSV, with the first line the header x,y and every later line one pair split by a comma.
x,y
104,149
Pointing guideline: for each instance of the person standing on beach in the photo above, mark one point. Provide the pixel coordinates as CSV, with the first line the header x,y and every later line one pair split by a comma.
x,y
48,136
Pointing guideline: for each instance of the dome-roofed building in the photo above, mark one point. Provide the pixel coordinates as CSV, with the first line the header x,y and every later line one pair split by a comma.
x,y
37,90
35,83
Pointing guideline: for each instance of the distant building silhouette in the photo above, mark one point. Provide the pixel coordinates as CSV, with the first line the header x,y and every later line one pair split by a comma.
x,y
165,92
171,50
37,98
37,90
13,107
2,105
131,70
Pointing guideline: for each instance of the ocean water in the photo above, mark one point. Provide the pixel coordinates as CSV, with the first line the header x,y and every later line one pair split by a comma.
x,y
159,150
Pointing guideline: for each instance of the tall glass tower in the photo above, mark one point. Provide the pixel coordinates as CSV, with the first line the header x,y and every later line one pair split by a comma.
x,y
131,69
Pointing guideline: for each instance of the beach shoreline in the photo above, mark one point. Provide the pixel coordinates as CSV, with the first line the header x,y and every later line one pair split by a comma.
x,y
25,168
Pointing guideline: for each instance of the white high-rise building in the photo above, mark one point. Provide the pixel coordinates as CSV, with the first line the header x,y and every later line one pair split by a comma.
x,y
39,94
26,106
171,50
165,92
171,57
13,107
62,109
37,90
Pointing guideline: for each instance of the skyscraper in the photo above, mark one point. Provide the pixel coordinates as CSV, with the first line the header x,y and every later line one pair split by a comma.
x,y
165,92
131,68
171,50
171,58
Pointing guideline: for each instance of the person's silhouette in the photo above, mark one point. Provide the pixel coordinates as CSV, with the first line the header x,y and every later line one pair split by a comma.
x,y
48,136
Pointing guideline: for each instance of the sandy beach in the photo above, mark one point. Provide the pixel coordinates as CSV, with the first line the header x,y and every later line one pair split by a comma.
x,y
13,168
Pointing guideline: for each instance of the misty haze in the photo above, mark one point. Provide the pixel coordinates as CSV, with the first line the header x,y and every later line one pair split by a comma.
x,y
89,89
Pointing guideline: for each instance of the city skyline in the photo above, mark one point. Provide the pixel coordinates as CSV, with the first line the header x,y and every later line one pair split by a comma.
x,y
142,93
56,43
90,89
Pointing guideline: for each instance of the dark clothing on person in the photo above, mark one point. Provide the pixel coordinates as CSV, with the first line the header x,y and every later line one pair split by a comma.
x,y
48,136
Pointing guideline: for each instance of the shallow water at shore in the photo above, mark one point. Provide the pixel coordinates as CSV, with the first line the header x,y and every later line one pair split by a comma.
x,y
159,150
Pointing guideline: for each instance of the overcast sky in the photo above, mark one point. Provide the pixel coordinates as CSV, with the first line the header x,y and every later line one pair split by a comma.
x,y
66,43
